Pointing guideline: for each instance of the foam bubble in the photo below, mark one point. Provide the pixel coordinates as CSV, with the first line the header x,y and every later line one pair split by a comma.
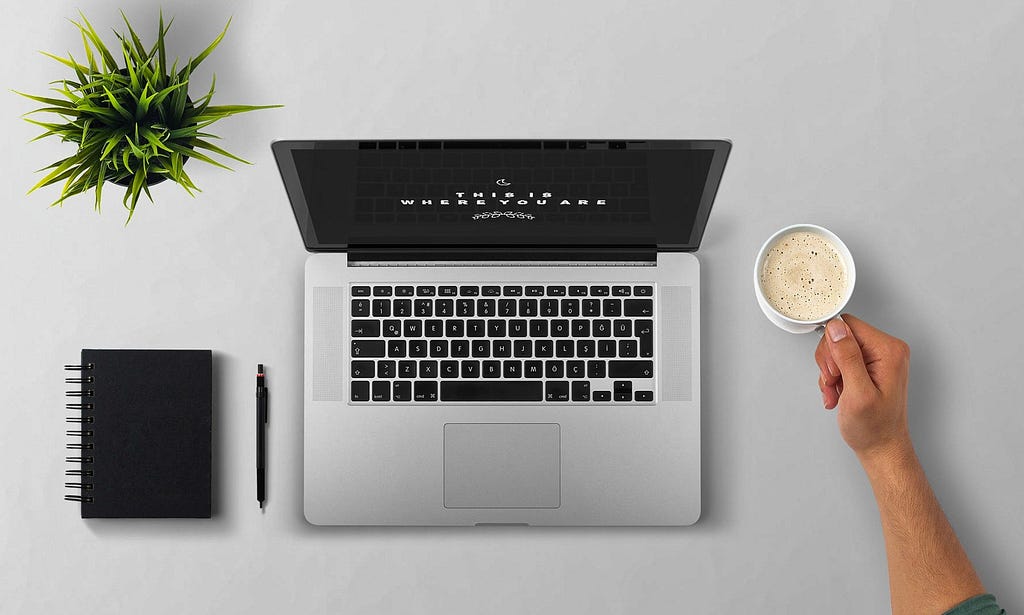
x,y
803,276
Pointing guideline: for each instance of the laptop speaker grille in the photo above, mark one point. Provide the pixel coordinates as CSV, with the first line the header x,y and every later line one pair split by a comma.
x,y
677,343
328,339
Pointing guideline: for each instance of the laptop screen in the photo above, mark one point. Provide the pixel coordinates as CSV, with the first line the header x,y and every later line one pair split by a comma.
x,y
508,194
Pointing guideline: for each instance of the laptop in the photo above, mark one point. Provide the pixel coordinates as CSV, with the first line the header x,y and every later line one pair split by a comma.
x,y
502,332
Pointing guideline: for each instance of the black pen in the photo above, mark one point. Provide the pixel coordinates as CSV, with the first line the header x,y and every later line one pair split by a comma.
x,y
261,436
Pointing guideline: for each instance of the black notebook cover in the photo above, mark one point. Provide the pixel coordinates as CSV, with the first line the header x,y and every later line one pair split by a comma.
x,y
150,433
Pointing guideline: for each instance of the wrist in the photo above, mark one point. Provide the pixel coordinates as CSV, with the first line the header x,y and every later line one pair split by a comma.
x,y
882,460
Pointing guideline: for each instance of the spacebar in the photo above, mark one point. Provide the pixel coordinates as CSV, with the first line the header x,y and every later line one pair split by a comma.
x,y
493,390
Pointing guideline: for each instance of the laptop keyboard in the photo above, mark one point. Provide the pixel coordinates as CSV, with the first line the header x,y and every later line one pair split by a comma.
x,y
502,343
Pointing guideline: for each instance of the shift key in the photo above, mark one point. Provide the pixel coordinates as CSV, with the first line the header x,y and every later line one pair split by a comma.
x,y
630,369
367,348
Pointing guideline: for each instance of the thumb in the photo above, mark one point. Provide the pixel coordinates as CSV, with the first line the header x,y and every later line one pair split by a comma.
x,y
847,355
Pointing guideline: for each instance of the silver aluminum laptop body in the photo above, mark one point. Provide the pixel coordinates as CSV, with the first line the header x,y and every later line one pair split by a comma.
x,y
479,463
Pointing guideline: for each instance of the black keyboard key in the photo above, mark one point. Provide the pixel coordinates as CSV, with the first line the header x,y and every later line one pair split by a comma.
x,y
513,369
465,307
360,307
417,349
538,328
447,291
611,307
471,369
449,369
517,328
362,349
639,307
392,328
522,349
627,348
491,291
559,328
401,390
496,328
402,307
622,328
481,348
570,307
577,291
439,349
362,369
444,307
499,390
575,369
360,291
404,291
381,291
425,291
564,349
460,348
501,348
424,307
413,328
597,369
549,307
580,328
581,390
534,291
556,291
533,369
382,307
556,391
454,328
599,291
554,369
407,369
365,328
433,328
469,291
544,348
645,333
643,291
585,348
476,328
491,369
381,390
621,291
591,307
602,395
428,369
643,395
385,369
360,390
623,390
527,307
606,348
602,328
512,291
486,307
396,349
506,307
425,390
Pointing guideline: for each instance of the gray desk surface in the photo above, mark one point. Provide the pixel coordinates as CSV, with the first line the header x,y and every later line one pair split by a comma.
x,y
897,125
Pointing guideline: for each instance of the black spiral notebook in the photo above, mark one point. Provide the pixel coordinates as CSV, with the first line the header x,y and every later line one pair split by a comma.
x,y
144,444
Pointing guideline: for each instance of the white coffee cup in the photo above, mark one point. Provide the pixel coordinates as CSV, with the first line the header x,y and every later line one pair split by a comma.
x,y
784,322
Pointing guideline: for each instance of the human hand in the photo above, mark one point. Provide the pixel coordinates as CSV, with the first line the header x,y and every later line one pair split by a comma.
x,y
864,371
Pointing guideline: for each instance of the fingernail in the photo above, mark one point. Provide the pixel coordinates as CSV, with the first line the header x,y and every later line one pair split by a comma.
x,y
836,329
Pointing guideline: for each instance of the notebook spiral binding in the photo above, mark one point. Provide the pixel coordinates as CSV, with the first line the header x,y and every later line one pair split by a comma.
x,y
83,419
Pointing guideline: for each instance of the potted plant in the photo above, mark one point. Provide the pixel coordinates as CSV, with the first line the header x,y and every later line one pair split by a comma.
x,y
133,125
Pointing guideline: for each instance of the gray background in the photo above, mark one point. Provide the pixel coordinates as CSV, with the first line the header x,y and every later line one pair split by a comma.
x,y
895,124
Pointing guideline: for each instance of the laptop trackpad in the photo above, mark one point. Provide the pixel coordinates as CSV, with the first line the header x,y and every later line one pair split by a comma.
x,y
502,465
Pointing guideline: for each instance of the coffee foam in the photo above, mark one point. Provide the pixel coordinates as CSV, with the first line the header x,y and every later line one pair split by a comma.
x,y
803,276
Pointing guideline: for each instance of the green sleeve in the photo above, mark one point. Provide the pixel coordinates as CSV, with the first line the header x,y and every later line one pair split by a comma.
x,y
984,604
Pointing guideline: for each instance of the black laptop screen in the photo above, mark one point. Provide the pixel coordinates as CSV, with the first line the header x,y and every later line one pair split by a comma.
x,y
508,194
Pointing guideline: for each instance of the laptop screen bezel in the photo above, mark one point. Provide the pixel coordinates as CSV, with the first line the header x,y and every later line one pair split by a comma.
x,y
283,148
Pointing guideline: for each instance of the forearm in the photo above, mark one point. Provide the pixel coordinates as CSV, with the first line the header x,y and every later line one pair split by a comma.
x,y
929,572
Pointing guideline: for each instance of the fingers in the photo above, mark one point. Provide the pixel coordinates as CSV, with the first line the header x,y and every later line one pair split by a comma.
x,y
829,394
845,351
826,364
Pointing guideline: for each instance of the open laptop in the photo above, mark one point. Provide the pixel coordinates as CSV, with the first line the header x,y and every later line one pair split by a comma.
x,y
502,332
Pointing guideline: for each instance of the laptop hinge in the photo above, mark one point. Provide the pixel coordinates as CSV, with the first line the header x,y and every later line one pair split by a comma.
x,y
628,255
